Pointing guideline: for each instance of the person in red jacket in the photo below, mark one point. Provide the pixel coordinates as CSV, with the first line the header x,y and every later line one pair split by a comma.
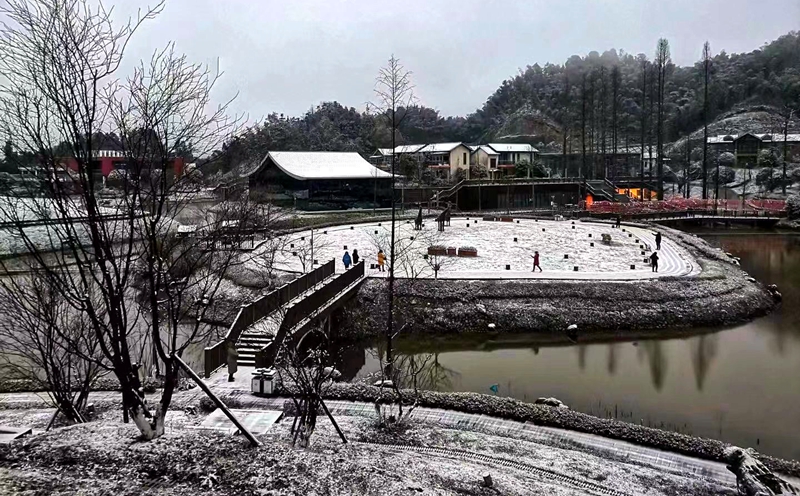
x,y
536,261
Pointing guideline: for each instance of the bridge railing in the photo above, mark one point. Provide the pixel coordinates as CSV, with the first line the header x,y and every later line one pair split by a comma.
x,y
308,307
215,355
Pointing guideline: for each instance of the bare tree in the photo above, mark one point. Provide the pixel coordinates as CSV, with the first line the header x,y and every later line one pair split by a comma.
x,y
706,78
394,91
307,248
643,123
787,120
47,343
61,99
308,371
662,64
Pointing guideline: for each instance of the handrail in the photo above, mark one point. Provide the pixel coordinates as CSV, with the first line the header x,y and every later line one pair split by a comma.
x,y
215,355
449,191
307,308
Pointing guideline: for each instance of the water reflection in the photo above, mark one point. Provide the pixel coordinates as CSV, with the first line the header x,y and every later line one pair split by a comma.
x,y
704,349
741,385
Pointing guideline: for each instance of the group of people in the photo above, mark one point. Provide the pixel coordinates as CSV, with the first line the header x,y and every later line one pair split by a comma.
x,y
347,260
654,256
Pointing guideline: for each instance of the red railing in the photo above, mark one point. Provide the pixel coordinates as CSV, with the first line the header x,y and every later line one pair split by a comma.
x,y
776,207
215,355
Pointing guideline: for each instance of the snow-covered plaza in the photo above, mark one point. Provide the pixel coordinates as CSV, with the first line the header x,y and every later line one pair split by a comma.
x,y
568,249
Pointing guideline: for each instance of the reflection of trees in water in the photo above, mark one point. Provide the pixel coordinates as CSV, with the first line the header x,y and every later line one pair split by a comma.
x,y
428,372
703,351
582,356
612,358
772,260
657,360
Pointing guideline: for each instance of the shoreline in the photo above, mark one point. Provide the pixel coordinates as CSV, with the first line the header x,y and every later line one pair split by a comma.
x,y
721,295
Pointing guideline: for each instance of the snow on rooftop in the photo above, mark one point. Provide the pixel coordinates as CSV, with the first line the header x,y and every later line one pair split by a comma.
x,y
440,147
408,148
776,137
325,165
513,148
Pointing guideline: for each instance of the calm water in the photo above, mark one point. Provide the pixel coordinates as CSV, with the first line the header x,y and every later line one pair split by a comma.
x,y
741,385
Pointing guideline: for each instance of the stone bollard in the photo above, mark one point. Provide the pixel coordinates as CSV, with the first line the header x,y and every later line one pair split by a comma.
x,y
566,257
543,229
316,262
376,231
475,221
573,227
590,235
591,244
291,245
515,240
508,267
487,479
467,224
351,228
633,267
575,269
345,247
294,253
630,235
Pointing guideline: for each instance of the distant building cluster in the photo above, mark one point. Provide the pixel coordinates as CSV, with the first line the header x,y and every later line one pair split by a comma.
x,y
745,147
446,159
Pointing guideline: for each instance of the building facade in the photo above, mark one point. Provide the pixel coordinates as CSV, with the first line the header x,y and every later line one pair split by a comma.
x,y
746,147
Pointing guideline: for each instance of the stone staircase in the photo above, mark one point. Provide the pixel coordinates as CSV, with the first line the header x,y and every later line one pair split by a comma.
x,y
248,344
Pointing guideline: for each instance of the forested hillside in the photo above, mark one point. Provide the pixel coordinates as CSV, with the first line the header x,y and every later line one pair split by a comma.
x,y
601,99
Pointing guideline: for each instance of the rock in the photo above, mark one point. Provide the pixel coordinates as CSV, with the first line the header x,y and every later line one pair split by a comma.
x,y
492,325
752,477
751,279
554,402
481,308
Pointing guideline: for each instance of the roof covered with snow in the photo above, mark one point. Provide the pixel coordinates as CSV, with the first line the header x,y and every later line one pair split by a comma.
x,y
485,148
383,152
440,147
767,137
323,165
408,148
513,148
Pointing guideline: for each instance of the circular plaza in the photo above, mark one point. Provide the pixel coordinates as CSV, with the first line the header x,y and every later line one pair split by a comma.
x,y
491,248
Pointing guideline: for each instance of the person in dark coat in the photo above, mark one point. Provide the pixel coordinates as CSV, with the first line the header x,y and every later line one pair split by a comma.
x,y
355,257
654,261
346,260
232,357
619,221
658,241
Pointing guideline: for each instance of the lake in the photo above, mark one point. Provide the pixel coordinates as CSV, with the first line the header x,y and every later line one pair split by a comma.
x,y
741,385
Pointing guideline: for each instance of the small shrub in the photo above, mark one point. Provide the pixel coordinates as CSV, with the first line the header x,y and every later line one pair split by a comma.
x,y
793,207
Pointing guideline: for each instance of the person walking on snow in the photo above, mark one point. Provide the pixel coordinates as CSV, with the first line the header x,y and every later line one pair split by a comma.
x,y
232,357
658,240
654,261
536,262
355,257
346,260
381,260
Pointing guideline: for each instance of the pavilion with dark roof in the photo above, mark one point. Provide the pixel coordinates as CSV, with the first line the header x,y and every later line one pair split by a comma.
x,y
319,180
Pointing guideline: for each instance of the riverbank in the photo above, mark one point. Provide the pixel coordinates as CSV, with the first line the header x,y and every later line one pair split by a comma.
x,y
721,295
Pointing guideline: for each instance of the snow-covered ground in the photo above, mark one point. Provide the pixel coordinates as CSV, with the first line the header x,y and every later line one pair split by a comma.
x,y
562,245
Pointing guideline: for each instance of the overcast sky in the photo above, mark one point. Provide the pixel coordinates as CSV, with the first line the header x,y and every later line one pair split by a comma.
x,y
287,55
